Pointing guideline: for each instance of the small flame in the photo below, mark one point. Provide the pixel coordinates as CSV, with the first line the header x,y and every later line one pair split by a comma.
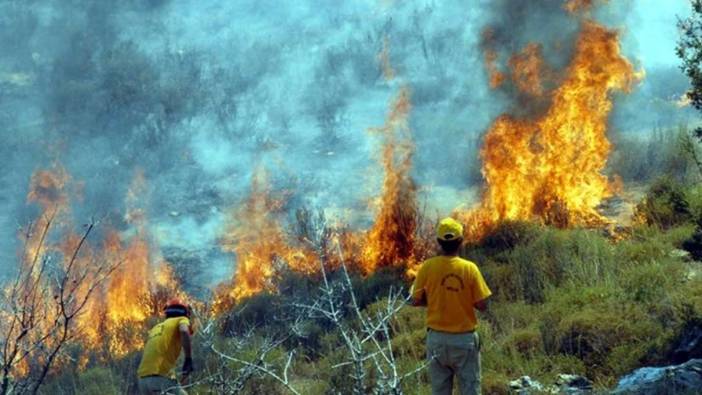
x,y
495,76
263,248
575,6
384,59
527,69
47,187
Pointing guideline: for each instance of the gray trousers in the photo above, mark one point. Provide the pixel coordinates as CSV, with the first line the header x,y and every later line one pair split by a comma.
x,y
453,354
152,385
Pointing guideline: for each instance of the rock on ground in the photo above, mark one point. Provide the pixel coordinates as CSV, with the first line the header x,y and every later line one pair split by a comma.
x,y
677,379
570,384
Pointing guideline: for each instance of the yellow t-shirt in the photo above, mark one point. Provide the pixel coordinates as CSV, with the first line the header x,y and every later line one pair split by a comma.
x,y
162,349
451,286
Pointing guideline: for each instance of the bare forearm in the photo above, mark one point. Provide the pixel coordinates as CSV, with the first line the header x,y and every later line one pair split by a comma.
x,y
185,342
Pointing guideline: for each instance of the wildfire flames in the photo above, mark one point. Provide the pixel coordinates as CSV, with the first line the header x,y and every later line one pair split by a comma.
x,y
548,167
47,190
528,71
132,294
390,241
261,246
114,318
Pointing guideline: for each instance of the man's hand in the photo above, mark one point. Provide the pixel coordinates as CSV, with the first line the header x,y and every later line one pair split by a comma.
x,y
481,305
419,301
187,367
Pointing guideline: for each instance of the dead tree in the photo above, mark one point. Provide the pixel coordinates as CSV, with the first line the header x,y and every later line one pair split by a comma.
x,y
224,381
39,308
368,339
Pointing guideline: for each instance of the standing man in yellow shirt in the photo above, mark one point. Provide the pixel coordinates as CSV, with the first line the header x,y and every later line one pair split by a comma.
x,y
161,351
451,288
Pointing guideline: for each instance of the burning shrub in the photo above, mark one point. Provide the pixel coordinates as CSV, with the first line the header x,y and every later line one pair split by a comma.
x,y
549,165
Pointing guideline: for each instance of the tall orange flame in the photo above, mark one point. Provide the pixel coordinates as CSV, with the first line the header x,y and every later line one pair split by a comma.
x,y
549,167
128,299
35,290
390,241
261,246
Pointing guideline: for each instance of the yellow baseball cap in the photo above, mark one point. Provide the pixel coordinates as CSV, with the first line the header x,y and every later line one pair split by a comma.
x,y
449,229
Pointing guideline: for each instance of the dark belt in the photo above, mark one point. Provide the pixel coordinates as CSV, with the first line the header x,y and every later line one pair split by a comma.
x,y
451,333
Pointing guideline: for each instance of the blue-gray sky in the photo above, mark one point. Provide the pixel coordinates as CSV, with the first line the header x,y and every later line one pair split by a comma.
x,y
650,33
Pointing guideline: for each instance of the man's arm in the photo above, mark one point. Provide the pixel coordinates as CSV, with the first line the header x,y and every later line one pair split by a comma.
x,y
184,330
479,290
419,294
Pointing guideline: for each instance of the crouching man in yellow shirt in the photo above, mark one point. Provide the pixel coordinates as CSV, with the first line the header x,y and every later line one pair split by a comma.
x,y
161,351
451,288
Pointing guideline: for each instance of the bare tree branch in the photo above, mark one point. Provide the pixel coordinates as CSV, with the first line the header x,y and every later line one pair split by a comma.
x,y
42,310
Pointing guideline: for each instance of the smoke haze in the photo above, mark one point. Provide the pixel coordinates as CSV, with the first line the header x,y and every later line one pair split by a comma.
x,y
199,94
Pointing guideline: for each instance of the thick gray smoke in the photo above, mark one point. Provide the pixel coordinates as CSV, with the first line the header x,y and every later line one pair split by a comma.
x,y
198,94
516,24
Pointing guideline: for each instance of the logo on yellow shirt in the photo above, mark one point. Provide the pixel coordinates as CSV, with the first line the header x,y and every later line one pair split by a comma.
x,y
449,282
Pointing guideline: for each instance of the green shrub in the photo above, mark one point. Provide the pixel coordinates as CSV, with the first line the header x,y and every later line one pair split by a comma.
x,y
258,310
665,204
93,381
643,157
502,280
550,259
99,381
377,285
526,341
495,383
509,234
651,282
